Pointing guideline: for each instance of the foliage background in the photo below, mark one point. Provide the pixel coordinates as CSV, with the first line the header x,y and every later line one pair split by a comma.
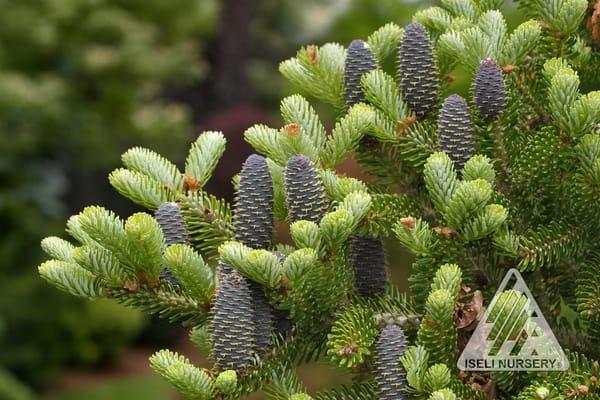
x,y
81,81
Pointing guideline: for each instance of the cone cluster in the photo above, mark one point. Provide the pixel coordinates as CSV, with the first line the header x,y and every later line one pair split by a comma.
x,y
488,89
305,193
359,60
455,131
389,371
368,264
253,223
418,74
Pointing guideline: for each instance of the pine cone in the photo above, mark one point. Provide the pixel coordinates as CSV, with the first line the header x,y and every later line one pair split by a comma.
x,y
417,70
263,318
172,224
253,211
359,60
389,374
233,324
488,89
304,190
282,323
455,131
368,264
224,268
171,221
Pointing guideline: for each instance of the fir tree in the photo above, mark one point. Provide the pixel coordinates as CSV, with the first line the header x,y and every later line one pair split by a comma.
x,y
470,194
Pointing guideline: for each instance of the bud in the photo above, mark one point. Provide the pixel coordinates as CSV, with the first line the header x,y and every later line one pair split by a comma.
x,y
300,396
226,382
253,210
359,60
542,393
488,89
305,193
417,70
455,131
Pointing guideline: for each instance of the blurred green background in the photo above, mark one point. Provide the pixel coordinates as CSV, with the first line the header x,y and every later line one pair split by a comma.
x,y
80,82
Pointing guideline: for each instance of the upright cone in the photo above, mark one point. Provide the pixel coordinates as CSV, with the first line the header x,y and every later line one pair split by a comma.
x,y
389,371
359,60
263,319
418,74
234,329
455,131
305,193
168,215
488,89
253,210
171,221
253,221
368,264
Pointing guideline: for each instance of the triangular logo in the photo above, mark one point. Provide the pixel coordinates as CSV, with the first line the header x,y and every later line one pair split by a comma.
x,y
513,335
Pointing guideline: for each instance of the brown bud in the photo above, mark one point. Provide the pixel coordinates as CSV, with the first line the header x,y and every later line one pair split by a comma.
x,y
292,130
348,349
404,124
583,389
509,69
132,285
543,24
593,22
409,222
312,54
444,231
190,183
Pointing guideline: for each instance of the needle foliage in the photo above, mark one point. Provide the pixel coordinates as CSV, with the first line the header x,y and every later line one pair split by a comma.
x,y
507,176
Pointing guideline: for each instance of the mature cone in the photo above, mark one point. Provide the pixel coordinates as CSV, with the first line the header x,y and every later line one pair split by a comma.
x,y
455,131
261,312
417,70
233,324
172,224
368,263
282,322
171,221
305,193
389,374
263,318
253,210
488,89
359,60
224,268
